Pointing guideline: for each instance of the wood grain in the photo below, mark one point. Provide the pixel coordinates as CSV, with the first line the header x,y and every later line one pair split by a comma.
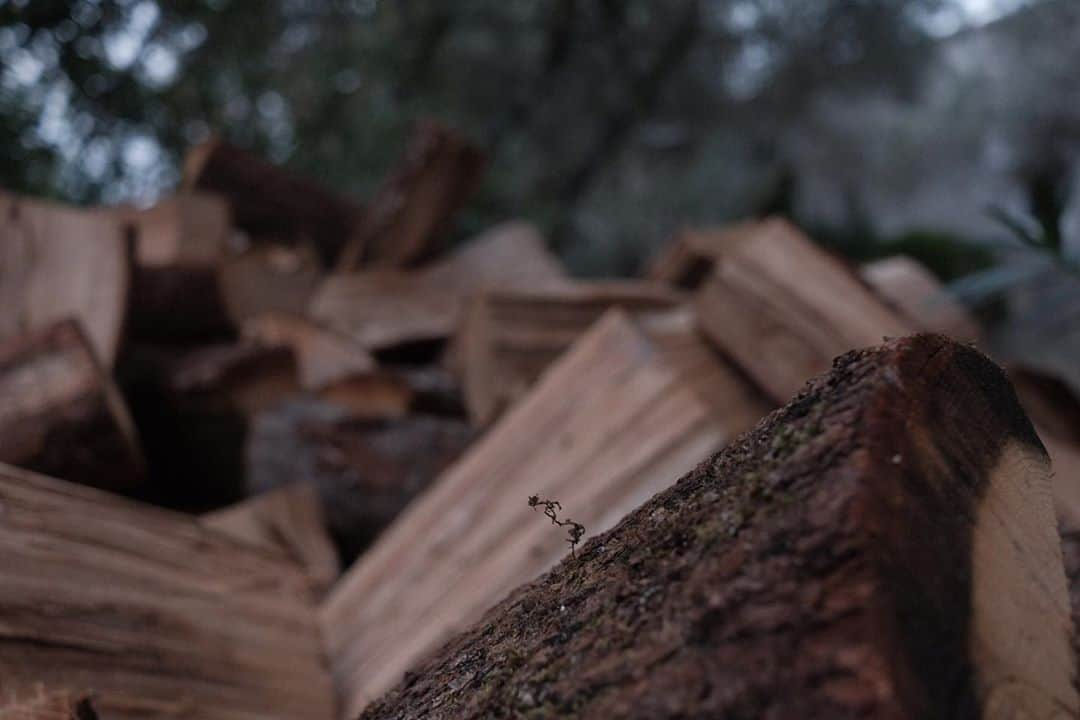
x,y
159,615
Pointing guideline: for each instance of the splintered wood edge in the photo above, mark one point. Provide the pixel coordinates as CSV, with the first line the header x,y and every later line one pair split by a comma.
x,y
1021,626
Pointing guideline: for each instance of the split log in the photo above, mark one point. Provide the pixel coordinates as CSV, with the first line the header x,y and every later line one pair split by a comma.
x,y
383,309
271,203
407,221
611,423
507,339
61,414
366,471
179,246
783,308
688,259
49,705
323,357
1055,410
289,520
58,262
919,297
883,547
270,278
159,615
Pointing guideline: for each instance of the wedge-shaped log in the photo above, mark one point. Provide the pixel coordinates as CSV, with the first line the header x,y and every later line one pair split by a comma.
x,y
61,414
58,262
784,308
608,425
407,220
507,339
882,547
384,308
159,616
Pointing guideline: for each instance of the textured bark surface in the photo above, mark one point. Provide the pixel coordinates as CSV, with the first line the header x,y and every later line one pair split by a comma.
x,y
407,220
157,615
830,564
613,421
61,414
58,262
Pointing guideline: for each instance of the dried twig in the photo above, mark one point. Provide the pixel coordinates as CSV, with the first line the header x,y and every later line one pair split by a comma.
x,y
551,509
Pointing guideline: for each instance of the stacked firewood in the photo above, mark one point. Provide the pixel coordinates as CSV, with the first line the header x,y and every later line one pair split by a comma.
x,y
269,452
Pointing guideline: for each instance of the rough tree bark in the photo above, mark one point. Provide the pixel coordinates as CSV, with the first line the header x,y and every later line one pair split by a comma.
x,y
616,417
882,547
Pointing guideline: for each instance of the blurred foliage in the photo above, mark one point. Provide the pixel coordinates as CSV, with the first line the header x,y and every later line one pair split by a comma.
x,y
598,114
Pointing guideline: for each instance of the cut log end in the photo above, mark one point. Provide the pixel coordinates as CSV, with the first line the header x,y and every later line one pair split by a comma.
x,y
883,546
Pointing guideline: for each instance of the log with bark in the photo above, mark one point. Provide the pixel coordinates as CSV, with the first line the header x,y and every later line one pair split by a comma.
x,y
271,203
61,414
290,521
156,614
507,339
611,423
408,219
919,297
382,309
882,547
58,262
783,308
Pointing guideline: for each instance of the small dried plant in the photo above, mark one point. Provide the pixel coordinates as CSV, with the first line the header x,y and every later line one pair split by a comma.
x,y
552,508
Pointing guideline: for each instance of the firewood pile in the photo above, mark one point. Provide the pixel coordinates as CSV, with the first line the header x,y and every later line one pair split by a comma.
x,y
268,452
